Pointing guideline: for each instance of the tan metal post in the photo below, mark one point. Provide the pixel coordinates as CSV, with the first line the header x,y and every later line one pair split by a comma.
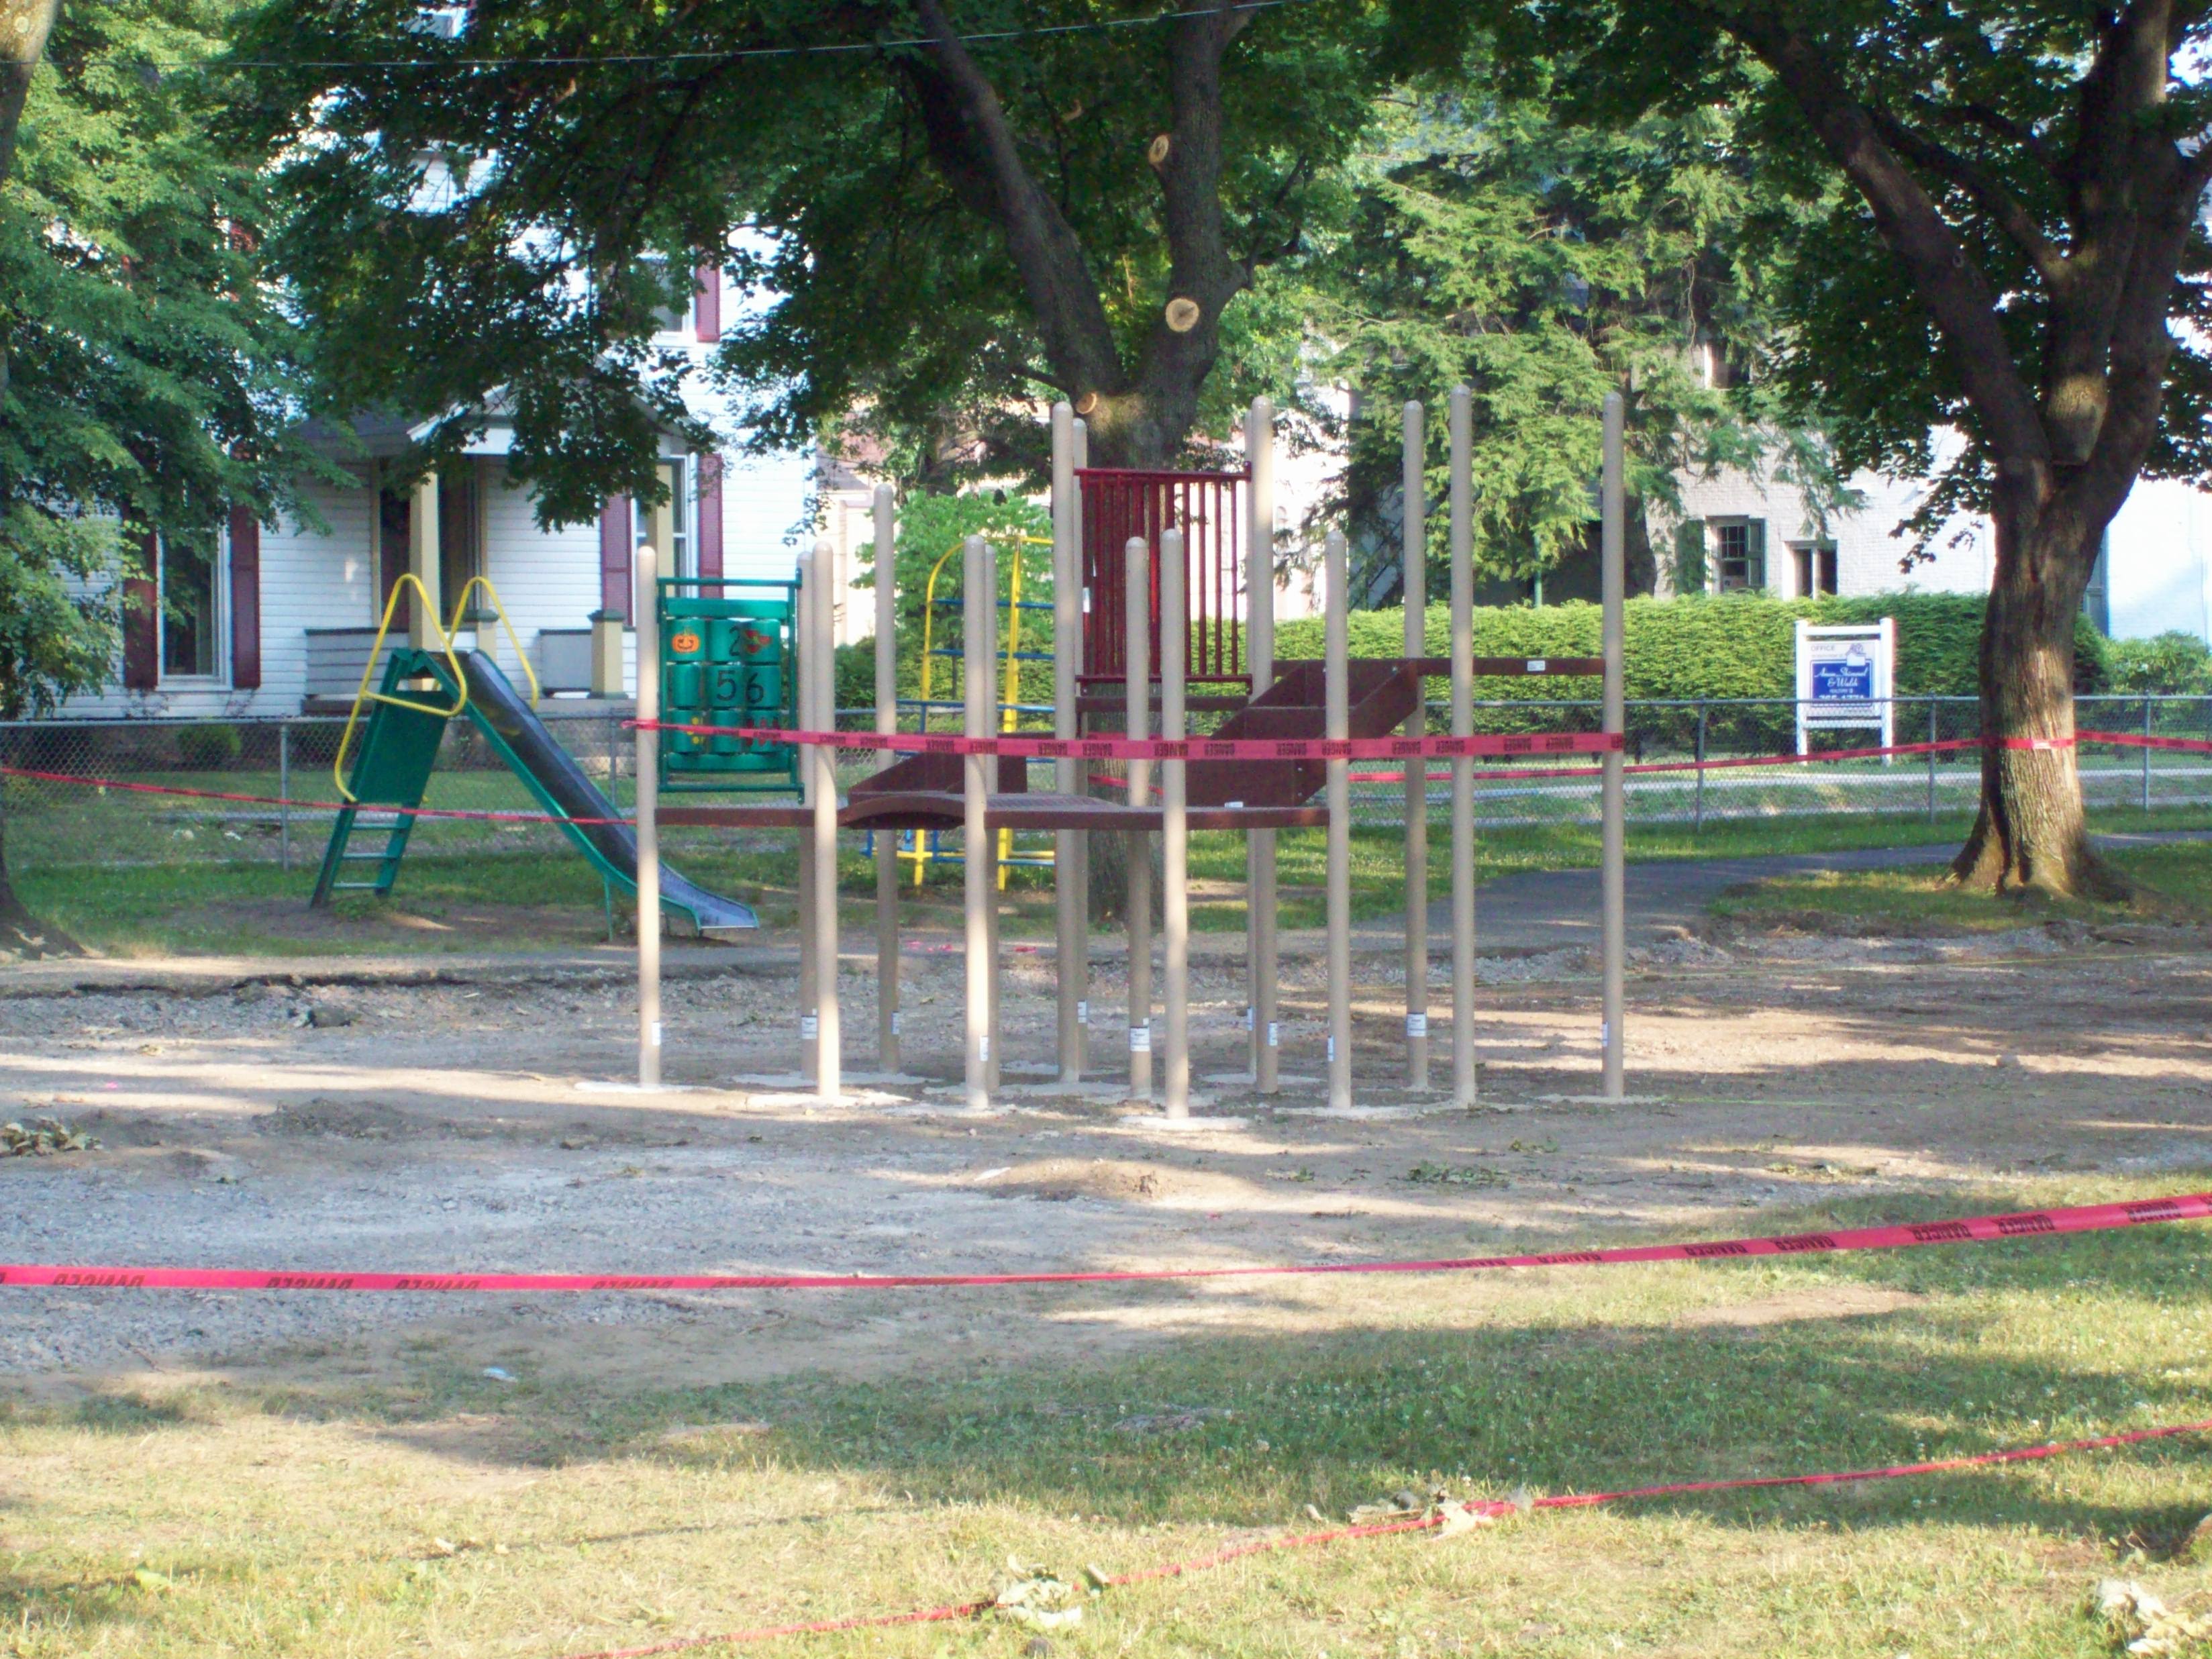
x,y
1414,525
1337,717
1069,900
810,954
828,1046
425,616
979,593
1260,659
646,606
1079,450
887,930
1614,835
1137,596
1465,1083
1175,822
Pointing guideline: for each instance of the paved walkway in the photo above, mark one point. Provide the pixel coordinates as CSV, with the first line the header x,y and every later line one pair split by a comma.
x,y
1549,909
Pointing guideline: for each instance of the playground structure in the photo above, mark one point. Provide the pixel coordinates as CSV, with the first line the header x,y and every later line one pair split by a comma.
x,y
1176,585
404,730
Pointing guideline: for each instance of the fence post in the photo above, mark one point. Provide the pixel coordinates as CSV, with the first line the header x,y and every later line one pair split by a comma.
x,y
1698,812
2145,754
1932,707
284,794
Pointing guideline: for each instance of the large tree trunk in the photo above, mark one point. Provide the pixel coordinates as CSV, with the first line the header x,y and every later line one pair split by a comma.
x,y
2032,833
1139,418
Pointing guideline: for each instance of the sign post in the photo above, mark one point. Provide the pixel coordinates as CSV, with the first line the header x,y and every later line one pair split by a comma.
x,y
1847,680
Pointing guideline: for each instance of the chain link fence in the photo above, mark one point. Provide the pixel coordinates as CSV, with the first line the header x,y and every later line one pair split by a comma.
x,y
80,812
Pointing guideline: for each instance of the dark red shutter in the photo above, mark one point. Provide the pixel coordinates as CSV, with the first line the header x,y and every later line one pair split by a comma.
x,y
710,515
707,308
244,600
142,624
613,556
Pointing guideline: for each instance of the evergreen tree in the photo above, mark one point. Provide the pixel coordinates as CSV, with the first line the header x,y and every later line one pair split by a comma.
x,y
1478,239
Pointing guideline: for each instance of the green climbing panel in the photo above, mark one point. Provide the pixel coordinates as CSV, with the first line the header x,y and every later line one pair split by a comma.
x,y
727,658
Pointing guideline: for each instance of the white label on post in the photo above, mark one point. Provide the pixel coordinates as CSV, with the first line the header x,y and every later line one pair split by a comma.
x,y
1141,1039
1274,1034
1417,1025
810,1027
982,1047
1083,1013
1535,664
894,1022
656,1034
1331,1051
1605,1033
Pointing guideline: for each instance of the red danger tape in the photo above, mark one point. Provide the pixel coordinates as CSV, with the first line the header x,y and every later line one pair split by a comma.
x,y
1170,748
1490,1508
1972,1230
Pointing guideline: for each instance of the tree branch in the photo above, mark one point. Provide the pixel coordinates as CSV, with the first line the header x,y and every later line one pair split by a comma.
x,y
1078,340
2018,132
2006,210
1948,282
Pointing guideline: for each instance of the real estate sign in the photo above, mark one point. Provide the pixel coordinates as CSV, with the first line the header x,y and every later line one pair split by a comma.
x,y
1846,680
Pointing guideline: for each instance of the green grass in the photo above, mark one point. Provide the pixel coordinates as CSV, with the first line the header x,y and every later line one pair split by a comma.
x,y
537,895
172,1519
2173,884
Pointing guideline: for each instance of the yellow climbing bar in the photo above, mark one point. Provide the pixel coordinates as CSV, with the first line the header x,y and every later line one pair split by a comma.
x,y
363,695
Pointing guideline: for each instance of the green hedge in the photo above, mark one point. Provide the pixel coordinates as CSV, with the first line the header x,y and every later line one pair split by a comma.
x,y
1732,645
2169,665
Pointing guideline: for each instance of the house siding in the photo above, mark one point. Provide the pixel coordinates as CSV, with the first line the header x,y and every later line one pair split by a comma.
x,y
2159,560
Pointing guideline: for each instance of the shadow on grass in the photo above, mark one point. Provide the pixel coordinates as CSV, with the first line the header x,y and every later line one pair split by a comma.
x,y
1248,1431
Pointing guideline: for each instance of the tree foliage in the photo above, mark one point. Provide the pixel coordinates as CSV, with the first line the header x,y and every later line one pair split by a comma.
x,y
2006,239
1482,240
965,206
147,375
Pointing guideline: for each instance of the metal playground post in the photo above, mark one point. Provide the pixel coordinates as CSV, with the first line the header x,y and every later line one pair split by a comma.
x,y
1613,838
1174,825
1138,598
1414,525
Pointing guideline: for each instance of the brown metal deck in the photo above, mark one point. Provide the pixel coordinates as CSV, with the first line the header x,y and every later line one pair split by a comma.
x,y
931,809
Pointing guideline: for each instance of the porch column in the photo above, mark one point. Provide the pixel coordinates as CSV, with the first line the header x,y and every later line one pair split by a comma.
x,y
424,621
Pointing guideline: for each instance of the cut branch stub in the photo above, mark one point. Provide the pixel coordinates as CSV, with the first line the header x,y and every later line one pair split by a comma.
x,y
1087,403
1157,151
1182,314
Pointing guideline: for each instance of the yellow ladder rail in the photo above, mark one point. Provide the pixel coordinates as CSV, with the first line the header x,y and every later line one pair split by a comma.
x,y
498,610
922,854
363,695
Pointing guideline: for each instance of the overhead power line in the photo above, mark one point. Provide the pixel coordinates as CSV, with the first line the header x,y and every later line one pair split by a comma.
x,y
583,60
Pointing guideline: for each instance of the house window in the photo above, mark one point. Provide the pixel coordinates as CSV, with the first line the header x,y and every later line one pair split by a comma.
x,y
1816,569
683,553
191,606
673,319
1739,555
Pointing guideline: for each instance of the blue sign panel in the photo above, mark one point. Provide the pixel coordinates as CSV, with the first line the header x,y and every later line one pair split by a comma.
x,y
1844,679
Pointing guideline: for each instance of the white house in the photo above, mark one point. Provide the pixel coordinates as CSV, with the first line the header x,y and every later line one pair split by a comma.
x,y
270,621
1739,531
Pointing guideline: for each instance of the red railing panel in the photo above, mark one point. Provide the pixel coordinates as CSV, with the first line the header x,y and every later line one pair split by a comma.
x,y
1208,508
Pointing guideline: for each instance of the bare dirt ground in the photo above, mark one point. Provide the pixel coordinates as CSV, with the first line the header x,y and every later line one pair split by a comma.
x,y
256,1120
